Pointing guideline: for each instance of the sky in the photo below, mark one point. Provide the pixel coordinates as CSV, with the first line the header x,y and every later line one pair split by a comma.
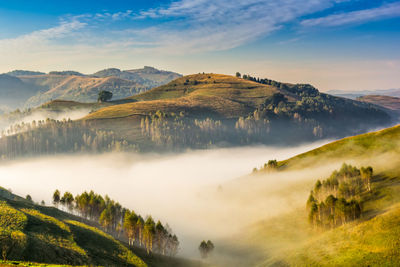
x,y
332,44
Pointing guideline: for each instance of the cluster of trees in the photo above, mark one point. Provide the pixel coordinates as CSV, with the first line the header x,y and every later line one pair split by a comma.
x,y
298,89
11,242
206,248
12,239
271,165
117,220
54,136
267,124
104,96
337,200
175,130
153,236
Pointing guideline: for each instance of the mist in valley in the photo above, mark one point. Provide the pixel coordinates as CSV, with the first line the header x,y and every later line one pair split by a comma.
x,y
202,194
8,123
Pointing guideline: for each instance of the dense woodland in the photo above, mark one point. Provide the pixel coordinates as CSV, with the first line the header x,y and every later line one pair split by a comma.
x,y
338,199
53,136
120,222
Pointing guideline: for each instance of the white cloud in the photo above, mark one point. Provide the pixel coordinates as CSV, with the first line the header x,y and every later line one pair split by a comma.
x,y
384,11
184,26
36,40
202,25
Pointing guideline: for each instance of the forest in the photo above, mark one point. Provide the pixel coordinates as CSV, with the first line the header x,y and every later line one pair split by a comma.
x,y
120,222
338,199
47,137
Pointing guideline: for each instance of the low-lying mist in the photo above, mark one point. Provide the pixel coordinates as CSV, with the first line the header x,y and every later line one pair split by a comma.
x,y
198,193
6,123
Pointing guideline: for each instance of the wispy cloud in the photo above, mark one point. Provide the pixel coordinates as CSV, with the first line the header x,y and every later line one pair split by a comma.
x,y
203,25
40,38
384,11
186,26
183,26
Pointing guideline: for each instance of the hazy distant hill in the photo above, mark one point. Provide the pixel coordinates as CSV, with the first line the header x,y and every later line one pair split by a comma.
x,y
66,72
78,88
24,73
13,91
355,94
31,88
147,76
389,102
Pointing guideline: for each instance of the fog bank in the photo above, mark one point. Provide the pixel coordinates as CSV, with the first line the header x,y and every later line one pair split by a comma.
x,y
197,192
6,124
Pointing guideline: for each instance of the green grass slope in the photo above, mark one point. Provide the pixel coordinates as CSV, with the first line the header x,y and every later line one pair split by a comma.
x,y
372,240
369,145
33,233
221,95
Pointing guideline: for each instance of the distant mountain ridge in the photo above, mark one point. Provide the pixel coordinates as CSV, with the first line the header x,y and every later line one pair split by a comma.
x,y
147,76
24,73
21,88
13,91
354,94
388,102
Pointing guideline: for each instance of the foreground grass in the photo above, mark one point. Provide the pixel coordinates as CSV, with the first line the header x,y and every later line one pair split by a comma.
x,y
28,264
34,233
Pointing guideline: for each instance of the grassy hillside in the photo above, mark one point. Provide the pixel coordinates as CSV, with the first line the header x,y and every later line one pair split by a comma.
x,y
199,95
370,145
372,240
208,93
34,233
259,110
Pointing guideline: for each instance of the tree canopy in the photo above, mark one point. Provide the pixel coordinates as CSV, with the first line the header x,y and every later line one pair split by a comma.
x,y
206,248
104,96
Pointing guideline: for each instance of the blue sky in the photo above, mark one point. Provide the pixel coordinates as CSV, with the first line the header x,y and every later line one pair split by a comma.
x,y
333,44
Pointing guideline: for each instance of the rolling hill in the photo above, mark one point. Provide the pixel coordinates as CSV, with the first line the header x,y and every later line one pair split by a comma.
x,y
370,145
31,88
274,109
78,88
13,91
148,76
200,111
288,239
355,94
388,102
35,233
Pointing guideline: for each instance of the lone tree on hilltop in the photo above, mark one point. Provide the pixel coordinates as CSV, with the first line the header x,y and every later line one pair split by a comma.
x,y
238,74
104,96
